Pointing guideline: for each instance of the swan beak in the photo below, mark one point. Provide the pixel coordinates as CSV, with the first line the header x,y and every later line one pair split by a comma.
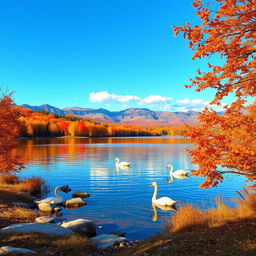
x,y
150,186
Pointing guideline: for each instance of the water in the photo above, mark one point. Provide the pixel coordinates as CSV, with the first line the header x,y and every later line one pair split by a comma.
x,y
120,199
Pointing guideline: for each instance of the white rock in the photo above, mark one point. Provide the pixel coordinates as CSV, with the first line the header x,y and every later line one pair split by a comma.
x,y
107,240
9,250
45,219
42,228
81,226
79,193
75,201
45,207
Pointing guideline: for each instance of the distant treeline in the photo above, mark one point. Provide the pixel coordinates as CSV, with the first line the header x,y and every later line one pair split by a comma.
x,y
43,124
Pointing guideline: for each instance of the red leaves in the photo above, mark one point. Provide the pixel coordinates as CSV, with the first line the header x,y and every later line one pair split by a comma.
x,y
9,131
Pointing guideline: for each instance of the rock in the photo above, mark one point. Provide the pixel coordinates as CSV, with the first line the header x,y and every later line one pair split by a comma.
x,y
45,207
81,194
107,240
57,209
45,219
74,201
9,250
42,228
117,233
81,226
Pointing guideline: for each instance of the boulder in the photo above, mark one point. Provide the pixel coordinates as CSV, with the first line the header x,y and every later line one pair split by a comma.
x,y
74,201
81,226
81,194
42,228
45,219
46,207
9,250
106,240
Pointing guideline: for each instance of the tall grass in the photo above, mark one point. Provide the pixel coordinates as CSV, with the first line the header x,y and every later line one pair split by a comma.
x,y
9,179
188,216
34,185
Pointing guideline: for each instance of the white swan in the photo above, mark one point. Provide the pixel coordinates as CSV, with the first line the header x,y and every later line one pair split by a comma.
x,y
163,200
121,164
176,173
55,200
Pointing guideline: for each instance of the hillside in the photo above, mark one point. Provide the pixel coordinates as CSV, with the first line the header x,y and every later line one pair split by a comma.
x,y
138,116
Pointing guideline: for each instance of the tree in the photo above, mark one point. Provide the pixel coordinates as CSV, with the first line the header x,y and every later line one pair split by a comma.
x,y
9,131
225,143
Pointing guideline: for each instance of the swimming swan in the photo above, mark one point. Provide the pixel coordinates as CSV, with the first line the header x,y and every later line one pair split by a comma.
x,y
177,173
55,200
121,164
163,200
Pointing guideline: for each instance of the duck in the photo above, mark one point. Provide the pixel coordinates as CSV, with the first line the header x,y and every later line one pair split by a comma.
x,y
121,164
176,173
165,201
57,199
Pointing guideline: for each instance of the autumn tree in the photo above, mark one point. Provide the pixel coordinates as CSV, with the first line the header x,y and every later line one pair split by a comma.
x,y
225,143
9,131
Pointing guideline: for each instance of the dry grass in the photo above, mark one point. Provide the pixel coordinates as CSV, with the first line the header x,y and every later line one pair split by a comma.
x,y
16,213
9,179
73,245
187,217
32,185
49,245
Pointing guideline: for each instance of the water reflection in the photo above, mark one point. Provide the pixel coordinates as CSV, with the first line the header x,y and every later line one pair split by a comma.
x,y
119,197
124,168
163,208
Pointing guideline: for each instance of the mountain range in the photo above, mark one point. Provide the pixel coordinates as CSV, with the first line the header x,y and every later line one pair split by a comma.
x,y
136,116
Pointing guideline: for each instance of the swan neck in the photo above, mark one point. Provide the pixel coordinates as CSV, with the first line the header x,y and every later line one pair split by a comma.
x,y
56,190
171,169
155,193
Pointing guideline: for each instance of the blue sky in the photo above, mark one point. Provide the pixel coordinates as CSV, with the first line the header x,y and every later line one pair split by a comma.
x,y
98,53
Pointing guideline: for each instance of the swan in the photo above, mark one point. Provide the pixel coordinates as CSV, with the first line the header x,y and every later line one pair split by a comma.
x,y
55,200
166,201
121,164
177,173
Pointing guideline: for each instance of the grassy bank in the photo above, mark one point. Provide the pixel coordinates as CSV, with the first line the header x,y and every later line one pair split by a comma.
x,y
14,190
217,231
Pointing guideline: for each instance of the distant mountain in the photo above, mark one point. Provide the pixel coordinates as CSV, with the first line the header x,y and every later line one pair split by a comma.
x,y
138,116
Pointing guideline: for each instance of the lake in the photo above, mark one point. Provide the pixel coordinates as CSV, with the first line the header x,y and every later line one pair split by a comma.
x,y
121,199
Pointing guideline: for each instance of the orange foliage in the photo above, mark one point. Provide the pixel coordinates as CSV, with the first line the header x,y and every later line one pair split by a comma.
x,y
47,125
9,131
225,143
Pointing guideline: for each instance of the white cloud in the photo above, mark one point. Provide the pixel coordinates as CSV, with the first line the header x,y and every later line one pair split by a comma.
x,y
197,105
106,97
167,107
154,99
125,107
195,102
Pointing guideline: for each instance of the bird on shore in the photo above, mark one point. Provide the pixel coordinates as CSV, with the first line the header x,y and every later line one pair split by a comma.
x,y
57,199
162,200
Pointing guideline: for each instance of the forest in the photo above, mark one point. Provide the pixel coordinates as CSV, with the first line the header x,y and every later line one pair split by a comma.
x,y
44,124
